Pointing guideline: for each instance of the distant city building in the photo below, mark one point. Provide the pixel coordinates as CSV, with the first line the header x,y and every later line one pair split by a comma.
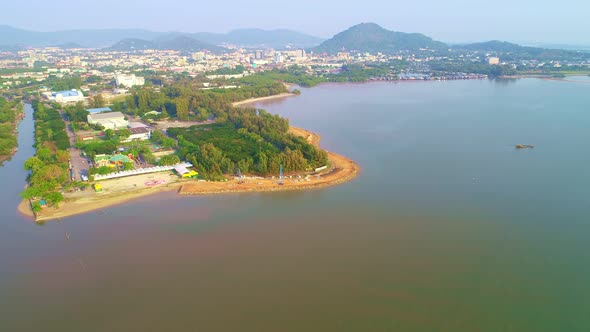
x,y
494,61
198,56
296,54
259,55
257,62
68,96
113,120
128,80
279,58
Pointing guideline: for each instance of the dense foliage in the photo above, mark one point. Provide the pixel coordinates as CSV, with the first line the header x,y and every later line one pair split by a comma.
x,y
514,52
252,141
49,166
472,67
64,83
50,129
293,74
239,69
186,101
8,119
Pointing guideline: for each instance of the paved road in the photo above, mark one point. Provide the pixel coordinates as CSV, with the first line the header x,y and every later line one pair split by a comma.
x,y
79,164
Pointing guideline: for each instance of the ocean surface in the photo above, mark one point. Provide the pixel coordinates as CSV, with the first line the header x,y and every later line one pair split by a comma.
x,y
447,228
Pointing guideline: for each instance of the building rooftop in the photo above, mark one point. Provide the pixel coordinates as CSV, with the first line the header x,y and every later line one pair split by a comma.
x,y
106,116
99,110
139,130
67,93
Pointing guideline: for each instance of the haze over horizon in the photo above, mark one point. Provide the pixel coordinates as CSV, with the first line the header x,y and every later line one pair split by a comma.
x,y
452,21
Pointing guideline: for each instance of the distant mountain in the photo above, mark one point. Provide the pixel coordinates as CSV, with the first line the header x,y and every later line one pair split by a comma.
x,y
510,51
10,48
168,42
133,44
370,37
278,39
68,46
185,43
105,38
87,38
495,46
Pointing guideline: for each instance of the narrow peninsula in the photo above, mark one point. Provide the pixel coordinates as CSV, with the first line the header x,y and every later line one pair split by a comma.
x,y
177,138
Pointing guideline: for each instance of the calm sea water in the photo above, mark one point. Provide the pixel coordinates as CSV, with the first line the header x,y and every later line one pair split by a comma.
x,y
448,228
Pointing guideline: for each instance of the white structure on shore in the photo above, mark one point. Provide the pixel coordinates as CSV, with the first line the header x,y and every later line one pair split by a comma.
x,y
112,120
128,80
68,96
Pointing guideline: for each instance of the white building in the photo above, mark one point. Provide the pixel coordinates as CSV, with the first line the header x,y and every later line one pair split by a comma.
x,y
198,56
68,96
279,58
128,80
139,133
112,120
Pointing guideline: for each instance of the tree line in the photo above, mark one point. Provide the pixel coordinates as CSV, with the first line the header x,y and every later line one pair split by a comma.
x,y
9,115
186,100
251,140
49,166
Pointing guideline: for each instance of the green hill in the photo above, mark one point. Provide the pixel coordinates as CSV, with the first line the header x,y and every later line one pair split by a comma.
x,y
510,51
372,38
171,42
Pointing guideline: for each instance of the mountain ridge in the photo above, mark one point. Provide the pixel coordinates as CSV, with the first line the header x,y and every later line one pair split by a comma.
x,y
371,37
168,42
100,38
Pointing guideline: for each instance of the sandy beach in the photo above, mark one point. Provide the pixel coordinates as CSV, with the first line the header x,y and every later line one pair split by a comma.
x,y
255,100
118,191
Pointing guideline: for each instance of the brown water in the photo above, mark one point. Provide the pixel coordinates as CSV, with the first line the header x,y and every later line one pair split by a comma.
x,y
448,228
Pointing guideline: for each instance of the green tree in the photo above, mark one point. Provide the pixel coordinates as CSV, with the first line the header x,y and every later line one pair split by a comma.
x,y
62,156
109,134
33,164
169,160
45,154
98,101
182,108
54,198
124,133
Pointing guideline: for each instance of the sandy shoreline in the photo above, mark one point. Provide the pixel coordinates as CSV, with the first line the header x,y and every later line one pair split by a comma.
x,y
118,191
342,170
255,100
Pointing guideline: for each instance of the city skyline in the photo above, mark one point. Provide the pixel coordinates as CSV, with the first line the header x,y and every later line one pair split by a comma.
x,y
453,21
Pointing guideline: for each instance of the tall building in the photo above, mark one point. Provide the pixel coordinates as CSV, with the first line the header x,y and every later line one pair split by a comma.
x,y
259,55
279,58
198,56
300,53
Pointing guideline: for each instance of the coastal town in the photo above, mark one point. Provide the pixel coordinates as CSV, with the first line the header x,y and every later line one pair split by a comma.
x,y
122,122
112,73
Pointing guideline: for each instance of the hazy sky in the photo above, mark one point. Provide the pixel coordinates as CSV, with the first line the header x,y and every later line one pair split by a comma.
x,y
564,21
